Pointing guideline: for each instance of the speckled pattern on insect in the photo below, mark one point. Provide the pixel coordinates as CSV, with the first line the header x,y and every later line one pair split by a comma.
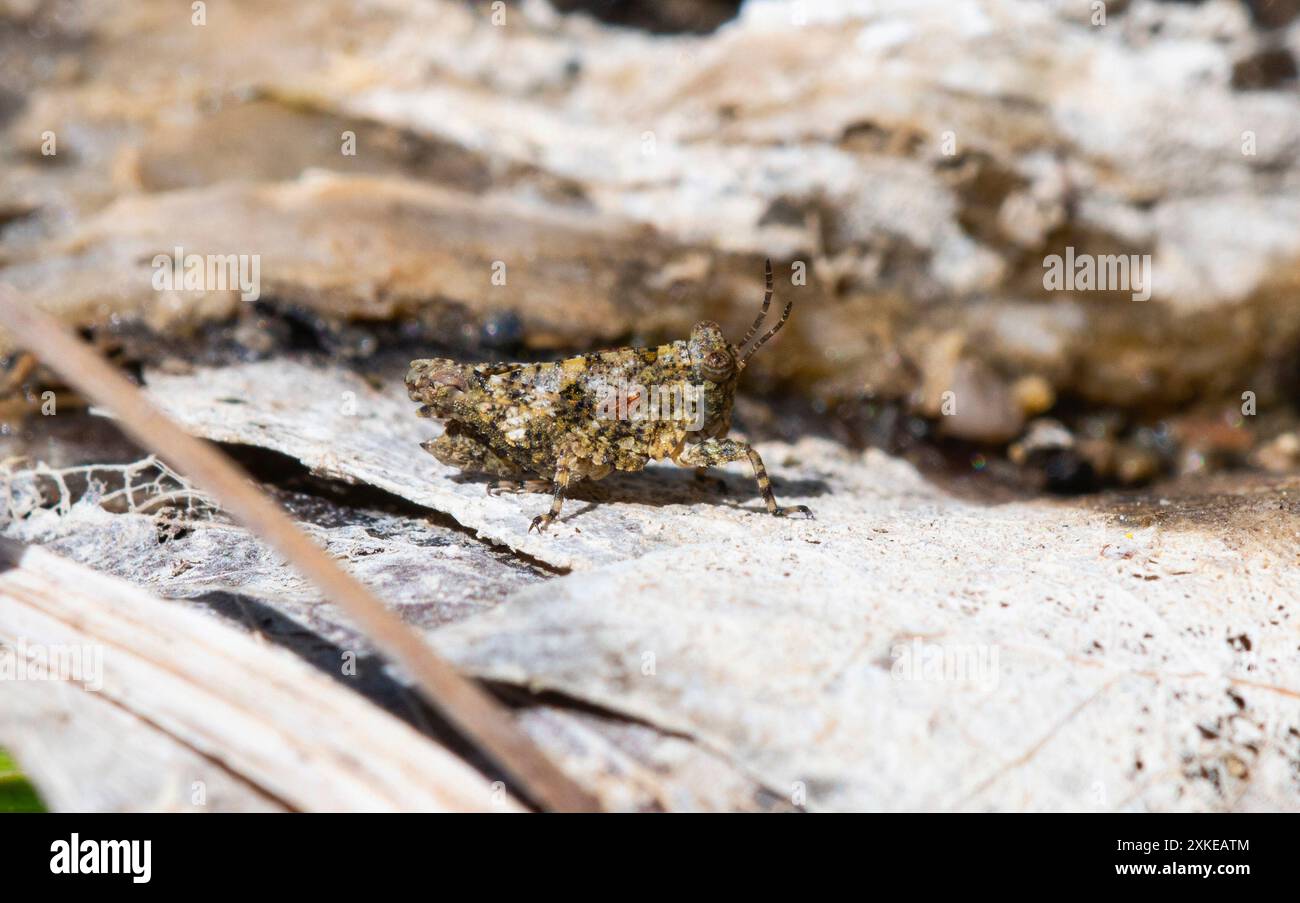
x,y
549,421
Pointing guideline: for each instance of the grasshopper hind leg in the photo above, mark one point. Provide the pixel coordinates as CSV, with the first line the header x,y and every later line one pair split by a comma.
x,y
465,452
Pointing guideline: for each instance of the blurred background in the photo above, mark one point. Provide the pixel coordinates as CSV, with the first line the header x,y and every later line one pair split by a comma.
x,y
529,179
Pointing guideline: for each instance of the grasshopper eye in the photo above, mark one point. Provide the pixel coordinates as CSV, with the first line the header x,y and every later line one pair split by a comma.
x,y
717,366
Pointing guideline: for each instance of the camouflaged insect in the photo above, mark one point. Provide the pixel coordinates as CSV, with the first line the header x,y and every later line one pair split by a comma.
x,y
581,418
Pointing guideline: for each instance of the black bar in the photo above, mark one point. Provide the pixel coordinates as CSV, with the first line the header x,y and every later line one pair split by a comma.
x,y
333,853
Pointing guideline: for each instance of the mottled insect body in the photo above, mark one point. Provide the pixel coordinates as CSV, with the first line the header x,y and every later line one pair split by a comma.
x,y
569,420
680,400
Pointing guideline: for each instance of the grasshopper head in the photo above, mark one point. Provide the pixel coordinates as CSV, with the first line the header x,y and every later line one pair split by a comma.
x,y
713,358
436,383
714,372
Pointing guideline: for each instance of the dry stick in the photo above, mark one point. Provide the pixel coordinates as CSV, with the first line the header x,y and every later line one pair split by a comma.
x,y
463,703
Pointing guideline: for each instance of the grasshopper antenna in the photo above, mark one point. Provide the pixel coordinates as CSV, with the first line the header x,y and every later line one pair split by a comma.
x,y
785,315
767,300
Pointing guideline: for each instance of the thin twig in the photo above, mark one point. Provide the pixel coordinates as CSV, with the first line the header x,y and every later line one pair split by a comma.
x,y
462,702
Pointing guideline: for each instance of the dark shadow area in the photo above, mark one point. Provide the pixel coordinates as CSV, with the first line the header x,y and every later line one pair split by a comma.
x,y
656,16
661,485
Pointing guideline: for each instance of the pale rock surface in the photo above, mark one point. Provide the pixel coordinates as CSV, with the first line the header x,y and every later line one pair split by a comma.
x,y
906,650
